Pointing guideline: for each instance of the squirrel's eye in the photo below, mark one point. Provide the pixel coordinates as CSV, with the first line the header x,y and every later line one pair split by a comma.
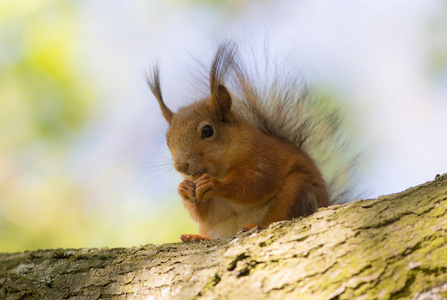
x,y
207,131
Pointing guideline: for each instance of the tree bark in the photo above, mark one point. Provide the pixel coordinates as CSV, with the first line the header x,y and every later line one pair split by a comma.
x,y
394,247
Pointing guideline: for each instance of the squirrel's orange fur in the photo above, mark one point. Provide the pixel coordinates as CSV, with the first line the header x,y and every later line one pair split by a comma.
x,y
236,173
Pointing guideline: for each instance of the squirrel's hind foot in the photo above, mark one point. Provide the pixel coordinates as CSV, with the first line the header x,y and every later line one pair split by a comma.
x,y
193,238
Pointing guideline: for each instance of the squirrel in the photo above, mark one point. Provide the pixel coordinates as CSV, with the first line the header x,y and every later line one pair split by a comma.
x,y
241,150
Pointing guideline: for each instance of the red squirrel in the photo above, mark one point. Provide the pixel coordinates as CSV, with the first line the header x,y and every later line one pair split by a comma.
x,y
241,153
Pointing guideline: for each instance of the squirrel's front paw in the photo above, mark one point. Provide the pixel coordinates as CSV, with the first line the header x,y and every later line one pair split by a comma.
x,y
186,189
205,188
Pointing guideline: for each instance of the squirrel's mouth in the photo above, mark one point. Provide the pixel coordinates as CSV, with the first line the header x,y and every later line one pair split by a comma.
x,y
198,174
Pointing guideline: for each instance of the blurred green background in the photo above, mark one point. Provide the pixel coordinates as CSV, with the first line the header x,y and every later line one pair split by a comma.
x,y
82,156
47,101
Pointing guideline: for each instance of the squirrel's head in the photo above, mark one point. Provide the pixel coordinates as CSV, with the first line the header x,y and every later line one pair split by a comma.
x,y
200,134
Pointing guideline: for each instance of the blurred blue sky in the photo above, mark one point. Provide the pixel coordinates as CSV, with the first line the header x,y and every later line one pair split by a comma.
x,y
385,60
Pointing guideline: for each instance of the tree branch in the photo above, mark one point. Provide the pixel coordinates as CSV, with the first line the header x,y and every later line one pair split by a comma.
x,y
390,247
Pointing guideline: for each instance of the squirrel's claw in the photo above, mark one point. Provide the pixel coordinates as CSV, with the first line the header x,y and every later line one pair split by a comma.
x,y
186,190
195,202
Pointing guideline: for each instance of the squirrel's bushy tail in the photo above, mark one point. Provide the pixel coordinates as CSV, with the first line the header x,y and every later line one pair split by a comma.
x,y
277,101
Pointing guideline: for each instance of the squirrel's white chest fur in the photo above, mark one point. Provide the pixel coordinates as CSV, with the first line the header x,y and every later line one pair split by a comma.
x,y
226,218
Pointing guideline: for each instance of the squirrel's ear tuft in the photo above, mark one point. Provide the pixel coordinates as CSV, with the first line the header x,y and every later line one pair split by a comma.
x,y
154,83
221,101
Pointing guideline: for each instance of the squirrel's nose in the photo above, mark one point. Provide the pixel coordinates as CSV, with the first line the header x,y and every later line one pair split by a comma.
x,y
181,167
